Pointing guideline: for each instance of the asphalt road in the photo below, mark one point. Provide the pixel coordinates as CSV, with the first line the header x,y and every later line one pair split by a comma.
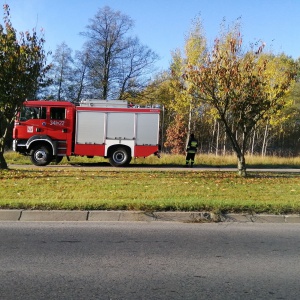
x,y
139,260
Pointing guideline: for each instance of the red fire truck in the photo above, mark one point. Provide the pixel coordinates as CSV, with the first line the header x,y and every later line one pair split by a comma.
x,y
49,130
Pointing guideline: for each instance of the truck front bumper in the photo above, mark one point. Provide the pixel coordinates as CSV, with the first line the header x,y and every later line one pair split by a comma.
x,y
19,146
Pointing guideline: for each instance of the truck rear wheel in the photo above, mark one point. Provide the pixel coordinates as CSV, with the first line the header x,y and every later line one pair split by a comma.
x,y
120,157
40,155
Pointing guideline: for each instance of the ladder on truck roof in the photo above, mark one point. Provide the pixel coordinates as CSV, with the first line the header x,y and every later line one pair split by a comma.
x,y
103,103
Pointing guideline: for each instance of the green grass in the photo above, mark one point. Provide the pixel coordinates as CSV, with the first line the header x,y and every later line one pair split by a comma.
x,y
89,188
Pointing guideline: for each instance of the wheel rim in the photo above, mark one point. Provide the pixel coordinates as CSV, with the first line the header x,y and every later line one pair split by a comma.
x,y
40,156
119,157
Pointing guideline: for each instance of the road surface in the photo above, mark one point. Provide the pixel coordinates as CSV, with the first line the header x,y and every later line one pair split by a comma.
x,y
139,260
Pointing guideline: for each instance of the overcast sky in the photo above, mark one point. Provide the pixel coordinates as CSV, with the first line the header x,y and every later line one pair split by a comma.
x,y
163,24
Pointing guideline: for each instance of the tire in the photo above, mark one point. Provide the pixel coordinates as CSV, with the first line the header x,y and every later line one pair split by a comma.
x,y
40,155
120,157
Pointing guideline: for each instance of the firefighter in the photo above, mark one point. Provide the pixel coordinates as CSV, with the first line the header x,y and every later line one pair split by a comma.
x,y
191,150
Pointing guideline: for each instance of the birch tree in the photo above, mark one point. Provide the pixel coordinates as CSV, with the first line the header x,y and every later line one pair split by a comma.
x,y
185,103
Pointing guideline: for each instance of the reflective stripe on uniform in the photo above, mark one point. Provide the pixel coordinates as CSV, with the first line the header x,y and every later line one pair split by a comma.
x,y
192,148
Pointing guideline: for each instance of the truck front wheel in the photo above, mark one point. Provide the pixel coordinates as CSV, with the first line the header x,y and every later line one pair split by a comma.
x,y
40,155
120,157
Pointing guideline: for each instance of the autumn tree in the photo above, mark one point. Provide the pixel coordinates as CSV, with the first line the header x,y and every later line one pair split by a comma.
x,y
22,65
184,103
176,134
117,63
194,51
243,88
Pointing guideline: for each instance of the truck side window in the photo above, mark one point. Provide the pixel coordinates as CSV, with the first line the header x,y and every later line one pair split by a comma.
x,y
28,113
57,113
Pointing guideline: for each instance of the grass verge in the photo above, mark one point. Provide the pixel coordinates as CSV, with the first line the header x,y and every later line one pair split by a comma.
x,y
88,188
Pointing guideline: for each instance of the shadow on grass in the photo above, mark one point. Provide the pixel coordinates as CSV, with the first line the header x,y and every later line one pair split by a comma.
x,y
269,175
93,164
106,164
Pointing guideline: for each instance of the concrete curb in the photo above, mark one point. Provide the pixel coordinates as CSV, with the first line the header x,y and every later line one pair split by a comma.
x,y
101,216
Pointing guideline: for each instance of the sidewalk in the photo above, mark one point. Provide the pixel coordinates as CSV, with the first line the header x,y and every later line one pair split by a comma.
x,y
131,216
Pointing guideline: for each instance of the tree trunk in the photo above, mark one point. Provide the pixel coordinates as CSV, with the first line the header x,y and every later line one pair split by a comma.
x,y
3,164
264,145
218,136
224,145
240,151
189,126
242,166
190,120
253,142
213,137
162,128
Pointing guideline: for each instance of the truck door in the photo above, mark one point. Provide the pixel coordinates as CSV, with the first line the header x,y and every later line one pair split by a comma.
x,y
59,128
31,121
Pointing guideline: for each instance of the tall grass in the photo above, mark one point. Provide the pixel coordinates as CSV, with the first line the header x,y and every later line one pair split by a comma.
x,y
204,160
211,160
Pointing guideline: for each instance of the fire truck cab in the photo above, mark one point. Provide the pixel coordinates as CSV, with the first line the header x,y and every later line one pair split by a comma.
x,y
49,130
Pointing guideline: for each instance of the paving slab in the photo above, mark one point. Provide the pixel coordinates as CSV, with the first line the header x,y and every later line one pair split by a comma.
x,y
260,218
292,219
236,218
268,219
53,215
10,214
185,216
119,216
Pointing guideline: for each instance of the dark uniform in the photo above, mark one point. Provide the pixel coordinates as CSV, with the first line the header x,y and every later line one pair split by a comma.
x,y
191,150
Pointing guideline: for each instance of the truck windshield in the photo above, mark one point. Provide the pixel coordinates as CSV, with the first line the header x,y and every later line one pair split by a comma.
x,y
28,113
